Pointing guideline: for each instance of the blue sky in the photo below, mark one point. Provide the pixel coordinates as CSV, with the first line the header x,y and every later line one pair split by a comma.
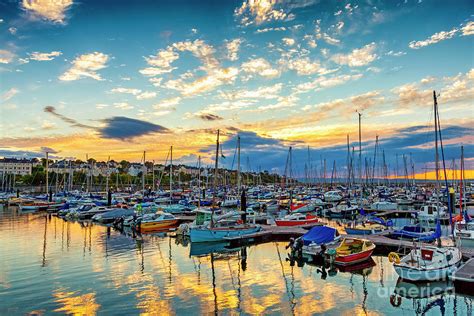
x,y
126,77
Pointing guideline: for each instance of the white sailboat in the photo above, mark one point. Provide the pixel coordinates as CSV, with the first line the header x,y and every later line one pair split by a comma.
x,y
216,230
429,263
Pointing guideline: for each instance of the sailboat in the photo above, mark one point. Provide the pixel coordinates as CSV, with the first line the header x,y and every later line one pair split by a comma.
x,y
220,231
429,263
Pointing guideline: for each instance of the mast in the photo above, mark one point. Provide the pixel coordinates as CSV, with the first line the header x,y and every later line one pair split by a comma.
x,y
348,164
375,157
199,181
153,174
143,173
435,110
238,165
462,179
47,175
107,178
171,174
360,148
214,185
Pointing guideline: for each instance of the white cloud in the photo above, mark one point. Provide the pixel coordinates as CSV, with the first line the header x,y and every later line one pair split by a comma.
x,y
214,79
6,56
126,90
325,82
259,11
44,56
303,66
47,125
433,39
261,67
396,54
123,106
51,10
283,102
9,94
288,41
201,50
86,65
101,106
270,92
167,103
358,57
233,49
146,95
468,29
161,113
465,30
12,30
269,29
160,63
324,36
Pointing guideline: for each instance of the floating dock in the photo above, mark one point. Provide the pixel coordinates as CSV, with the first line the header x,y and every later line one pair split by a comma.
x,y
281,233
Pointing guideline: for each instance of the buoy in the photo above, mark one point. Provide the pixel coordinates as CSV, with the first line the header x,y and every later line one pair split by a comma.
x,y
393,257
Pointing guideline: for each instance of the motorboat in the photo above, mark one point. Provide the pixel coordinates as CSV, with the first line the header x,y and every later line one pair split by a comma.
x,y
296,219
383,206
332,196
365,229
464,233
156,221
318,236
353,250
111,215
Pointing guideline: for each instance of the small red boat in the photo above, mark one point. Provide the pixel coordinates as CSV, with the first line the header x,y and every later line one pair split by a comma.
x,y
297,219
354,250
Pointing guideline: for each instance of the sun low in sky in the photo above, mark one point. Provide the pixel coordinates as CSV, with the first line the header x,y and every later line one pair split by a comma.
x,y
102,78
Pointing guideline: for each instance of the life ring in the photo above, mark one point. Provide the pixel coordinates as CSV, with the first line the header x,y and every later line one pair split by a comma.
x,y
395,300
394,257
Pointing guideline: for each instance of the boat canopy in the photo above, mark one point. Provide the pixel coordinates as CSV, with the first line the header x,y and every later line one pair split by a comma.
x,y
319,235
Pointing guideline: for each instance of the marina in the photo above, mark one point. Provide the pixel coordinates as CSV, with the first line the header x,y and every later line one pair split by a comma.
x,y
244,157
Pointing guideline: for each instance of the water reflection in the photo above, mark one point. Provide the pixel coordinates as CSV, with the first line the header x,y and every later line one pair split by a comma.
x,y
74,304
95,269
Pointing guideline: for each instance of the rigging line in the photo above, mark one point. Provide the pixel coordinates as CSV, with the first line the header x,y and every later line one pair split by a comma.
x,y
290,301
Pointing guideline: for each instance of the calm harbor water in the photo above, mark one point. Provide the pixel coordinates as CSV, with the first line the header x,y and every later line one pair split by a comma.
x,y
50,266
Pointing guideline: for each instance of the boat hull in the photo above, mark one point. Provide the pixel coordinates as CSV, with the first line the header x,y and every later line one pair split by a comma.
x,y
355,231
152,226
354,258
207,234
296,222
413,274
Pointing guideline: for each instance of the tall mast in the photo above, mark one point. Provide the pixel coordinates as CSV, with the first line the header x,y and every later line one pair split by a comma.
x,y
171,174
143,172
462,179
153,174
435,110
238,164
214,185
360,148
47,175
199,181
107,178
348,163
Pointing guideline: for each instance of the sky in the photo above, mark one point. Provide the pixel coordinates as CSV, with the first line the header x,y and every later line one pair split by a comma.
x,y
92,78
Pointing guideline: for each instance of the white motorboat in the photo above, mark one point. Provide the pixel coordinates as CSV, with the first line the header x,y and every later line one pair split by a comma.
x,y
383,206
464,233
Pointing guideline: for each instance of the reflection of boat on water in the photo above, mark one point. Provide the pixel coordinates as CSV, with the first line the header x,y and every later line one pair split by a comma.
x,y
419,290
204,249
362,268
